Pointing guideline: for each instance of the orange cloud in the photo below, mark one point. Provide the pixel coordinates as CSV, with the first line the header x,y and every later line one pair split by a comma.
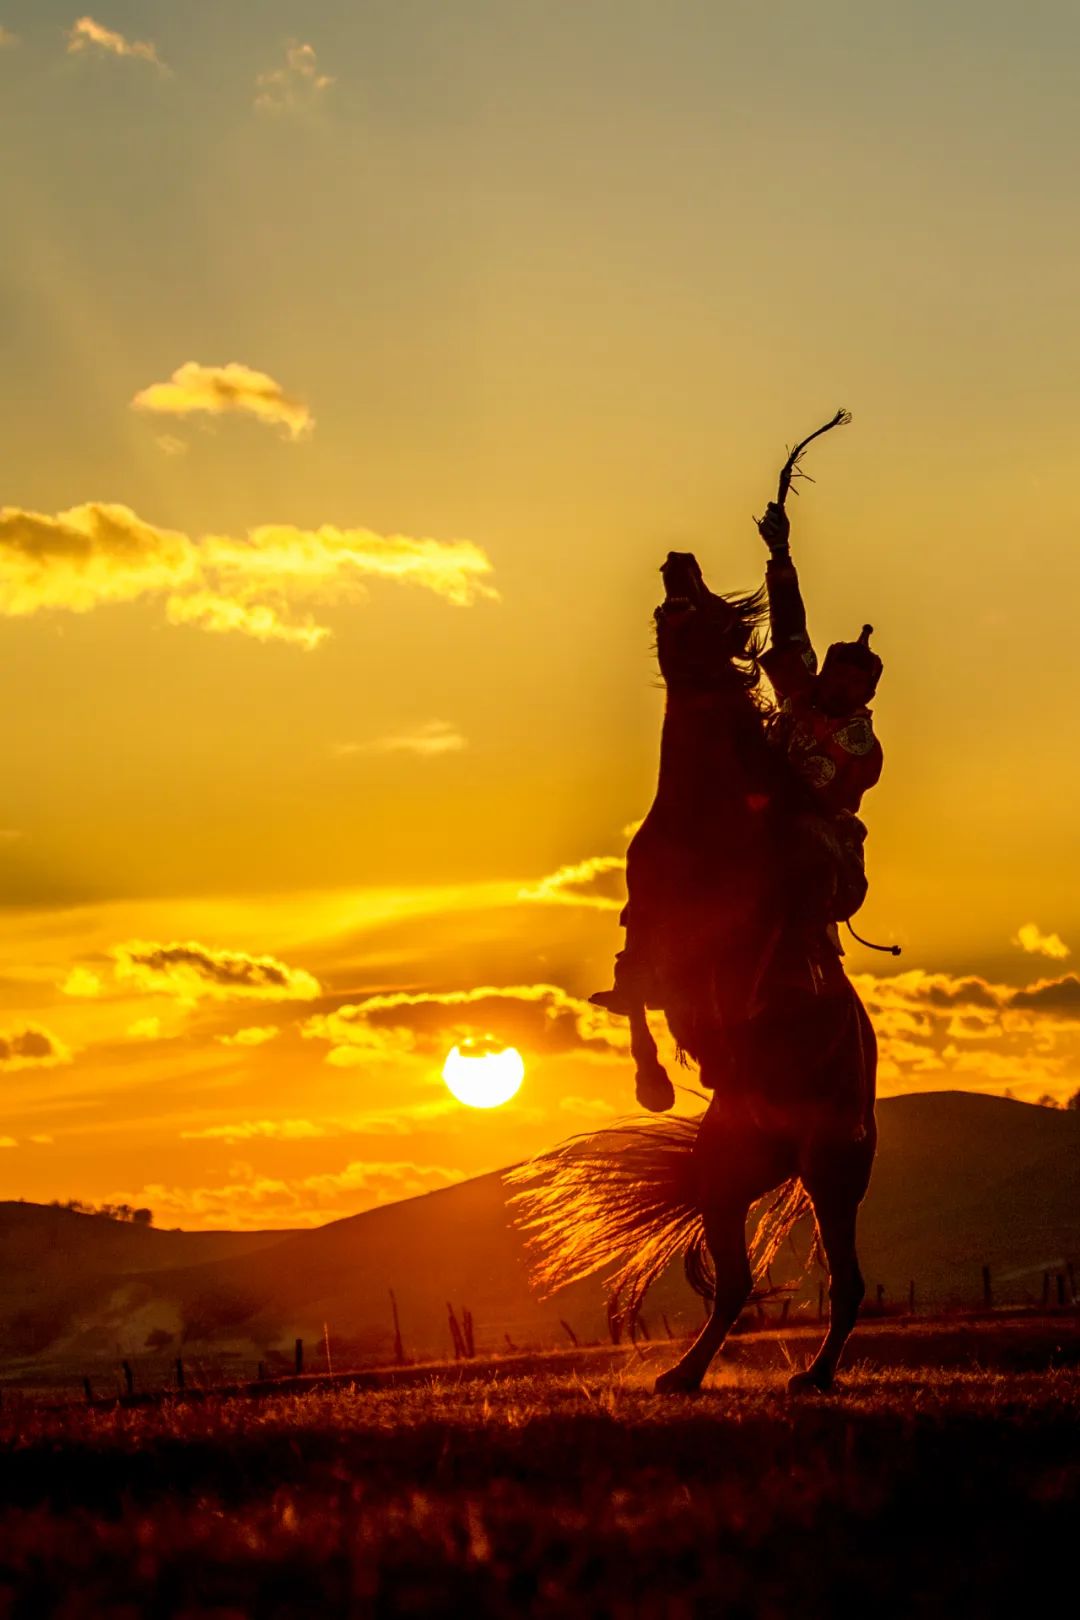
x,y
192,972
428,741
1030,938
31,1048
231,389
598,881
86,34
98,554
8,40
254,1035
542,1017
249,1200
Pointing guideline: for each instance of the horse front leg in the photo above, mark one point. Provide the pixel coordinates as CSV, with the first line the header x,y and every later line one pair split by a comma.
x,y
654,1089
725,1233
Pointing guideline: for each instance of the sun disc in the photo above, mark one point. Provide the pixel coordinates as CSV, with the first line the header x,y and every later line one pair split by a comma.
x,y
486,1079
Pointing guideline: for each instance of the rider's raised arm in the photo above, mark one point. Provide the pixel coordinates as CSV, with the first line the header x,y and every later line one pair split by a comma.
x,y
790,662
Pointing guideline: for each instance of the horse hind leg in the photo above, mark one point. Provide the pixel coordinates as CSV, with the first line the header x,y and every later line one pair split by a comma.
x,y
725,1234
654,1089
836,1209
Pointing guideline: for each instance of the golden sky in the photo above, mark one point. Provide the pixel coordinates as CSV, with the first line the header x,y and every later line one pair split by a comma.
x,y
362,363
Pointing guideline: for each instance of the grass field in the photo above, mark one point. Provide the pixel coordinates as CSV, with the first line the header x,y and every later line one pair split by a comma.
x,y
921,1489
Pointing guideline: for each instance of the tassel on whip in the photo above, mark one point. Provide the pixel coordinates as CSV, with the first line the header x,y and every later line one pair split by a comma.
x,y
790,468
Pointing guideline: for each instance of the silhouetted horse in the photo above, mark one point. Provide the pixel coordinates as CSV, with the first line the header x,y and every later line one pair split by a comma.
x,y
752,991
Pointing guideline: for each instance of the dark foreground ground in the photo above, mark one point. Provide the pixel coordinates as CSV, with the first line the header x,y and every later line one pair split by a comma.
x,y
937,1489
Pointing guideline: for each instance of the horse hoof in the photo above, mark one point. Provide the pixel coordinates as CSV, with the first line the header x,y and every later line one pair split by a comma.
x,y
676,1382
655,1092
810,1383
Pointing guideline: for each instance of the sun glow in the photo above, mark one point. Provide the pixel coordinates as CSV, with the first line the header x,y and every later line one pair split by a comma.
x,y
482,1078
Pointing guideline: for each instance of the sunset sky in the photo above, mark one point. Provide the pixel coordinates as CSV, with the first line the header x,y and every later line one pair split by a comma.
x,y
361,364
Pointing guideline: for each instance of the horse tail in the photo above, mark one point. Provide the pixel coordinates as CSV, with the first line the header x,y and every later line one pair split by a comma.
x,y
625,1201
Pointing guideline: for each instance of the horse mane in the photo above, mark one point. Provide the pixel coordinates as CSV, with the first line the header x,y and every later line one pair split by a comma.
x,y
751,610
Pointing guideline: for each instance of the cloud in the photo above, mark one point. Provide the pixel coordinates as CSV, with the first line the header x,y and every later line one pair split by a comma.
x,y
1030,938
41,1139
88,35
942,1029
254,1035
295,86
433,738
98,554
249,1200
191,972
145,1029
31,1048
541,1017
599,881
169,445
272,1130
81,981
231,389
8,40
1061,996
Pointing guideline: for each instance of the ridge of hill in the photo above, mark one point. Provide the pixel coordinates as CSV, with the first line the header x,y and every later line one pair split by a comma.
x,y
962,1180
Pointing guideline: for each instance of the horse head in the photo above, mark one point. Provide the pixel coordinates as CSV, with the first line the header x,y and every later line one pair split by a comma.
x,y
703,641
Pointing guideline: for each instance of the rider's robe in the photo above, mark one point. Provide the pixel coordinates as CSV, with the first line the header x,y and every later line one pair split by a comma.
x,y
837,755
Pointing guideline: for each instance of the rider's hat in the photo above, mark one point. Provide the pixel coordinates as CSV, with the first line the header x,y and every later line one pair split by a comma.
x,y
855,656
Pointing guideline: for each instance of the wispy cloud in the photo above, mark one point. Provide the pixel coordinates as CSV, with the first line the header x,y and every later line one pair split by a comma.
x,y
1031,938
145,1029
83,982
98,554
8,40
599,881
541,1017
232,389
170,445
253,1035
295,86
88,35
31,1048
193,972
249,1200
270,1130
429,740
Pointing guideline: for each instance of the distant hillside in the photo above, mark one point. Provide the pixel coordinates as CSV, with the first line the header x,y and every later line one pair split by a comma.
x,y
961,1181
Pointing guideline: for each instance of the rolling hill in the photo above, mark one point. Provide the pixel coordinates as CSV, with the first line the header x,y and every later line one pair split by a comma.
x,y
962,1180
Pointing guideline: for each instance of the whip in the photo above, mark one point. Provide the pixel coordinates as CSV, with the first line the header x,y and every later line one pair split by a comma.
x,y
791,469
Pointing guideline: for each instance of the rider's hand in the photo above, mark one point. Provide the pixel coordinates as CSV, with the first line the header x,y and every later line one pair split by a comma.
x,y
774,528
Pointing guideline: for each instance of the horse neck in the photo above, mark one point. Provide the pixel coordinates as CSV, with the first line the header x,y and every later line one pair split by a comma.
x,y
714,756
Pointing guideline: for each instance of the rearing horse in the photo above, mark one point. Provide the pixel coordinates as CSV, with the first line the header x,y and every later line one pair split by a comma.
x,y
752,991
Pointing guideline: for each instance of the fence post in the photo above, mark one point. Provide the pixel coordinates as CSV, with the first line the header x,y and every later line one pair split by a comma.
x,y
262,1372
179,1372
399,1348
667,1325
988,1292
87,1391
570,1334
298,1357
129,1376
455,1334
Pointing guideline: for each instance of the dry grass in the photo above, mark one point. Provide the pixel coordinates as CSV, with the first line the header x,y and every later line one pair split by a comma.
x,y
939,1492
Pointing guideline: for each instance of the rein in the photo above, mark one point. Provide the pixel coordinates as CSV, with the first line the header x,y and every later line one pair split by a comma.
x,y
891,950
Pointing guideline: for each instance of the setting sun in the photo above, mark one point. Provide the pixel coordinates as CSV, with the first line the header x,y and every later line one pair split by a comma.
x,y
483,1079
